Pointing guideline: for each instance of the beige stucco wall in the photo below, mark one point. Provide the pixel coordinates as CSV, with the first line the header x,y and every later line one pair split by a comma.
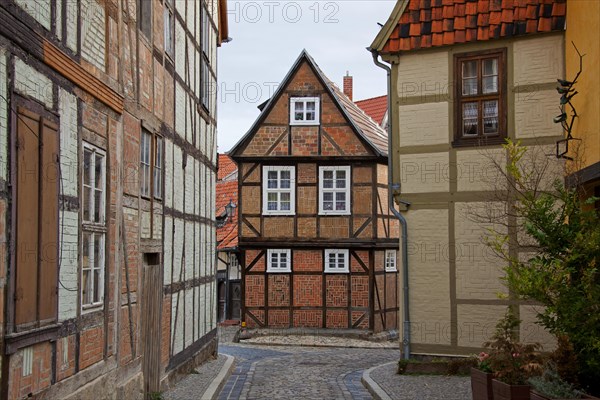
x,y
456,291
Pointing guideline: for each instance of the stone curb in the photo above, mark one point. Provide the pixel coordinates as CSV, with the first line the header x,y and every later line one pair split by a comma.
x,y
212,392
372,386
343,346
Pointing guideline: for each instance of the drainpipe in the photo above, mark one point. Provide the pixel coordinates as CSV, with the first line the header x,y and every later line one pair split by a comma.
x,y
392,207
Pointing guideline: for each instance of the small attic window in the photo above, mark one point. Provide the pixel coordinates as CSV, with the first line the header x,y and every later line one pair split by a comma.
x,y
304,111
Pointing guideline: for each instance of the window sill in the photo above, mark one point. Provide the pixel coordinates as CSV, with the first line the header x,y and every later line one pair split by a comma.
x,y
87,308
16,341
337,272
279,214
281,271
479,141
334,213
295,123
391,270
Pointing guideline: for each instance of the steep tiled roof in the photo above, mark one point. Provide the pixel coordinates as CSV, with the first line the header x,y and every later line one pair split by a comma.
x,y
227,235
370,129
226,167
367,129
374,107
433,23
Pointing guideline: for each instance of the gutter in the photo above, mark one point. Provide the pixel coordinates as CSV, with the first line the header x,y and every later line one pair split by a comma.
x,y
392,207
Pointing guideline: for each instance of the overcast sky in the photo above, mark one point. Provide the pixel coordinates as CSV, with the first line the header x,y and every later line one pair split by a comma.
x,y
268,36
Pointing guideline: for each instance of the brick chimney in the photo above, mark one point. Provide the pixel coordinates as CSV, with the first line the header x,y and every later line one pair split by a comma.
x,y
348,85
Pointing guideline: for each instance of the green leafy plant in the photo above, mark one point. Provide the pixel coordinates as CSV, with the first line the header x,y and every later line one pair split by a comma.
x,y
402,364
511,361
563,274
551,385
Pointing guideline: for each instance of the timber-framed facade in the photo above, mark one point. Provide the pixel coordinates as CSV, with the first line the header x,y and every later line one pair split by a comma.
x,y
314,227
108,163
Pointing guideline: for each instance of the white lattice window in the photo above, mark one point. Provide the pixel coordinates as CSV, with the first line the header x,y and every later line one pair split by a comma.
x,y
390,261
93,226
334,190
279,260
151,157
279,190
304,111
337,261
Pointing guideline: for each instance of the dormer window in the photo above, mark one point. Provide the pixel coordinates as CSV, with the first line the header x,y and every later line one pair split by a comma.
x,y
304,111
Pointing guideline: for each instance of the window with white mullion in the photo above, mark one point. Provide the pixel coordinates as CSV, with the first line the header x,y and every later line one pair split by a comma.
x,y
145,146
390,261
279,260
334,189
92,271
336,261
93,184
157,171
279,190
93,226
304,111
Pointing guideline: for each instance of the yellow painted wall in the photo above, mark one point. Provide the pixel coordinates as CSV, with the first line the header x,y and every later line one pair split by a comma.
x,y
583,29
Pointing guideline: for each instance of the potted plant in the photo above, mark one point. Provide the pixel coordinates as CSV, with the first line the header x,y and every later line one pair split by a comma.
x,y
481,378
559,379
512,362
551,386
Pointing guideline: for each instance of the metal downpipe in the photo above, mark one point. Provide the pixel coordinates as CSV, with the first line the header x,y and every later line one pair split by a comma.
x,y
392,207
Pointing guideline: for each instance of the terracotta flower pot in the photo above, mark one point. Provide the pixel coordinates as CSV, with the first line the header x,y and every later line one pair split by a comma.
x,y
481,385
504,391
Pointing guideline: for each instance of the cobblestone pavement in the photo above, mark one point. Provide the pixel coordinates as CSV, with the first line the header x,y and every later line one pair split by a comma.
x,y
320,341
421,387
282,372
196,383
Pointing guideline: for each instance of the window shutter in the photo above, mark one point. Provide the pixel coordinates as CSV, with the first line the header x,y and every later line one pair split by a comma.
x,y
37,181
48,272
27,224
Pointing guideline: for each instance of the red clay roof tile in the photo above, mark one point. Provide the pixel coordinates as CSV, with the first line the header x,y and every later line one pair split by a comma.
x,y
432,23
375,107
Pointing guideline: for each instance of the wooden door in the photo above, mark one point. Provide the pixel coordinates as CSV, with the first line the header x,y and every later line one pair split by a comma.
x,y
151,322
235,299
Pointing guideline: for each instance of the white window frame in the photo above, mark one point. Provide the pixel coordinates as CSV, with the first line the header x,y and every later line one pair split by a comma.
x,y
346,261
94,265
294,100
151,173
168,25
278,190
391,261
279,252
94,229
334,190
92,204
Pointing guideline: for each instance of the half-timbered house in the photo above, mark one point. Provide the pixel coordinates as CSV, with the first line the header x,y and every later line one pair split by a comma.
x,y
107,171
317,243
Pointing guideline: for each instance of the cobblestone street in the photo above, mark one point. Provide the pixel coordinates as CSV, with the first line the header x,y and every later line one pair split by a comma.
x,y
300,372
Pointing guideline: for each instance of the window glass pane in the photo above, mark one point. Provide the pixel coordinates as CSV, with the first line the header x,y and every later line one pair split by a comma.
x,y
490,84
283,260
490,117
285,180
87,194
285,201
328,201
272,201
87,165
310,106
96,279
99,182
341,180
272,180
299,106
340,203
470,119
469,86
86,251
469,69
86,286
490,67
98,205
274,258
